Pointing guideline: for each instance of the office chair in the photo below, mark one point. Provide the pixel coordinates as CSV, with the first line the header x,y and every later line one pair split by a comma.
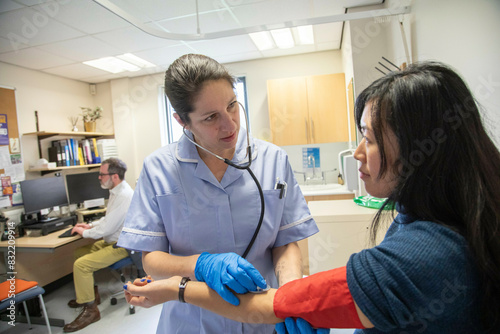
x,y
22,297
134,259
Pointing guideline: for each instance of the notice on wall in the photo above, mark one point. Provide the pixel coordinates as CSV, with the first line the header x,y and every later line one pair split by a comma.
x,y
4,131
6,186
311,159
5,202
5,160
14,145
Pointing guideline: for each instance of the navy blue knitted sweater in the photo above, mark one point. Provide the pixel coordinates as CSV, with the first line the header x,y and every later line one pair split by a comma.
x,y
420,279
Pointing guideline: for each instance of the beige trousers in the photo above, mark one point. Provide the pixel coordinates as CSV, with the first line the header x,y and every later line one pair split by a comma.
x,y
89,259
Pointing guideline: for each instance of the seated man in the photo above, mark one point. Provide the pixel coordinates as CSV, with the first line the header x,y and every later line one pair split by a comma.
x,y
102,253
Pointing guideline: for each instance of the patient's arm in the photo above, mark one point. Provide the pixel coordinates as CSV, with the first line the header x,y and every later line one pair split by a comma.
x,y
253,308
260,308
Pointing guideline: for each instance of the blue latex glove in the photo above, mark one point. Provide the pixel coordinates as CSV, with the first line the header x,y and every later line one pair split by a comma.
x,y
299,326
228,270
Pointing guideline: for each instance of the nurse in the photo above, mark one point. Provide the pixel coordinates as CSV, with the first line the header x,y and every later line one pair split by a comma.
x,y
191,213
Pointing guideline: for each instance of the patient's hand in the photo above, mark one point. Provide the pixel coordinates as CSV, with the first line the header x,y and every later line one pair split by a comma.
x,y
147,292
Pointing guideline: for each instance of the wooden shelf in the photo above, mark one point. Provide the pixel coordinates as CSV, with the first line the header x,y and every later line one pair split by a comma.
x,y
48,170
46,134
41,135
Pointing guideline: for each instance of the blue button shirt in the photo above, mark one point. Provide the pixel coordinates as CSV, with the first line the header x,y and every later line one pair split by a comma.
x,y
181,208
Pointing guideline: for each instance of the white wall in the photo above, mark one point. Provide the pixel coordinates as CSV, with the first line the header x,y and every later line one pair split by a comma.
x,y
56,99
460,33
463,34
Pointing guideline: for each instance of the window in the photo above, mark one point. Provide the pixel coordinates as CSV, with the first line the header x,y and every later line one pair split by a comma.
x,y
171,131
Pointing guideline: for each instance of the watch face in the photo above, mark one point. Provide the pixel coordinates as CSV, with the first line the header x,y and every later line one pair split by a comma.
x,y
184,282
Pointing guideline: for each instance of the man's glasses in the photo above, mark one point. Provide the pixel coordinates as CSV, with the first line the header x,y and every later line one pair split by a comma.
x,y
102,174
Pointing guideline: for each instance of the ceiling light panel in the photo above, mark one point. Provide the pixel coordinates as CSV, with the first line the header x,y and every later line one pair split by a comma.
x,y
112,65
305,35
283,38
133,59
263,40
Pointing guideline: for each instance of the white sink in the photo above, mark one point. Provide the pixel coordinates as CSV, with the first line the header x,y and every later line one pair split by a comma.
x,y
323,189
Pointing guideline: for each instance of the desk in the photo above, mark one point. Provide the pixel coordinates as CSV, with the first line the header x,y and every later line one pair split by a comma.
x,y
81,213
44,259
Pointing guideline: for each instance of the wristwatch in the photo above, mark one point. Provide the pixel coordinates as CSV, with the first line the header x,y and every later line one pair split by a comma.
x,y
182,287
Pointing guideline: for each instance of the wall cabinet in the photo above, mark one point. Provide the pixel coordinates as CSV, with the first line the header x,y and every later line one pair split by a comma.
x,y
41,135
308,110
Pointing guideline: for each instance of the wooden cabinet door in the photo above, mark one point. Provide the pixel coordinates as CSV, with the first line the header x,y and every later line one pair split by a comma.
x,y
326,96
288,114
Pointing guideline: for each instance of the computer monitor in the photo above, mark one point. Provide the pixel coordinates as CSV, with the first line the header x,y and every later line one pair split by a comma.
x,y
42,194
85,187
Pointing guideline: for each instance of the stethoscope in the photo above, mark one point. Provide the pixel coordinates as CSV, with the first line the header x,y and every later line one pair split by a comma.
x,y
244,166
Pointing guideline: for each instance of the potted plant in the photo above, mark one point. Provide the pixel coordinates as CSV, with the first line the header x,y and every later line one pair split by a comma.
x,y
89,117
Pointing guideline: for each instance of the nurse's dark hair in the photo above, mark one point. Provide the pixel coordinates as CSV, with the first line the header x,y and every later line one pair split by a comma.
x,y
185,78
448,167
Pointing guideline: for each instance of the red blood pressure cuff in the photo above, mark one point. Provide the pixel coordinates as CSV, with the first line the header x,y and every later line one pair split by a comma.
x,y
323,299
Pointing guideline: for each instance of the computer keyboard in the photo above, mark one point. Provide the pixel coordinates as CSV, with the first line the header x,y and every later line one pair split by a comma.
x,y
67,234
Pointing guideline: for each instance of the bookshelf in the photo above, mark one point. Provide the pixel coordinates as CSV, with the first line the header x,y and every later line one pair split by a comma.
x,y
41,135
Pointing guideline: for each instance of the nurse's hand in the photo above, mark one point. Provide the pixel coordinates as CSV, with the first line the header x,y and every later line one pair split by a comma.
x,y
227,271
299,326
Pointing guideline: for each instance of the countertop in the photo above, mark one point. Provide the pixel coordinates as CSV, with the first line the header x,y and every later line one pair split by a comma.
x,y
324,189
339,211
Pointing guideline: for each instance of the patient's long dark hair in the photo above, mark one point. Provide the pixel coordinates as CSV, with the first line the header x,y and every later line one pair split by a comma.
x,y
449,168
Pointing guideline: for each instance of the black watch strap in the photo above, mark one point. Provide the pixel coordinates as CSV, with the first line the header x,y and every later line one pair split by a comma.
x,y
182,287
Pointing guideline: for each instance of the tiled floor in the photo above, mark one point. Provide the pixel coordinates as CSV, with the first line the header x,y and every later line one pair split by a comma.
x,y
114,318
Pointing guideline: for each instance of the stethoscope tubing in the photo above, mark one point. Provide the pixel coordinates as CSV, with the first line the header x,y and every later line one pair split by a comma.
x,y
244,166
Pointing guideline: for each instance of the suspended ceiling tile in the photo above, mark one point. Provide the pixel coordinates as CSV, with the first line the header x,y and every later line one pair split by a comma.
x,y
82,49
153,10
274,13
328,7
165,56
209,22
33,2
327,32
133,40
6,45
32,28
8,5
100,20
75,71
226,46
34,58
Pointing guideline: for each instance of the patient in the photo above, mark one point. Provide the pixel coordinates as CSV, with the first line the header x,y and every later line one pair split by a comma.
x,y
437,270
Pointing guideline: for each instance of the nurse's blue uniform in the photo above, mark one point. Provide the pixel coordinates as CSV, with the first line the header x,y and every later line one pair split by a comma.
x,y
180,207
